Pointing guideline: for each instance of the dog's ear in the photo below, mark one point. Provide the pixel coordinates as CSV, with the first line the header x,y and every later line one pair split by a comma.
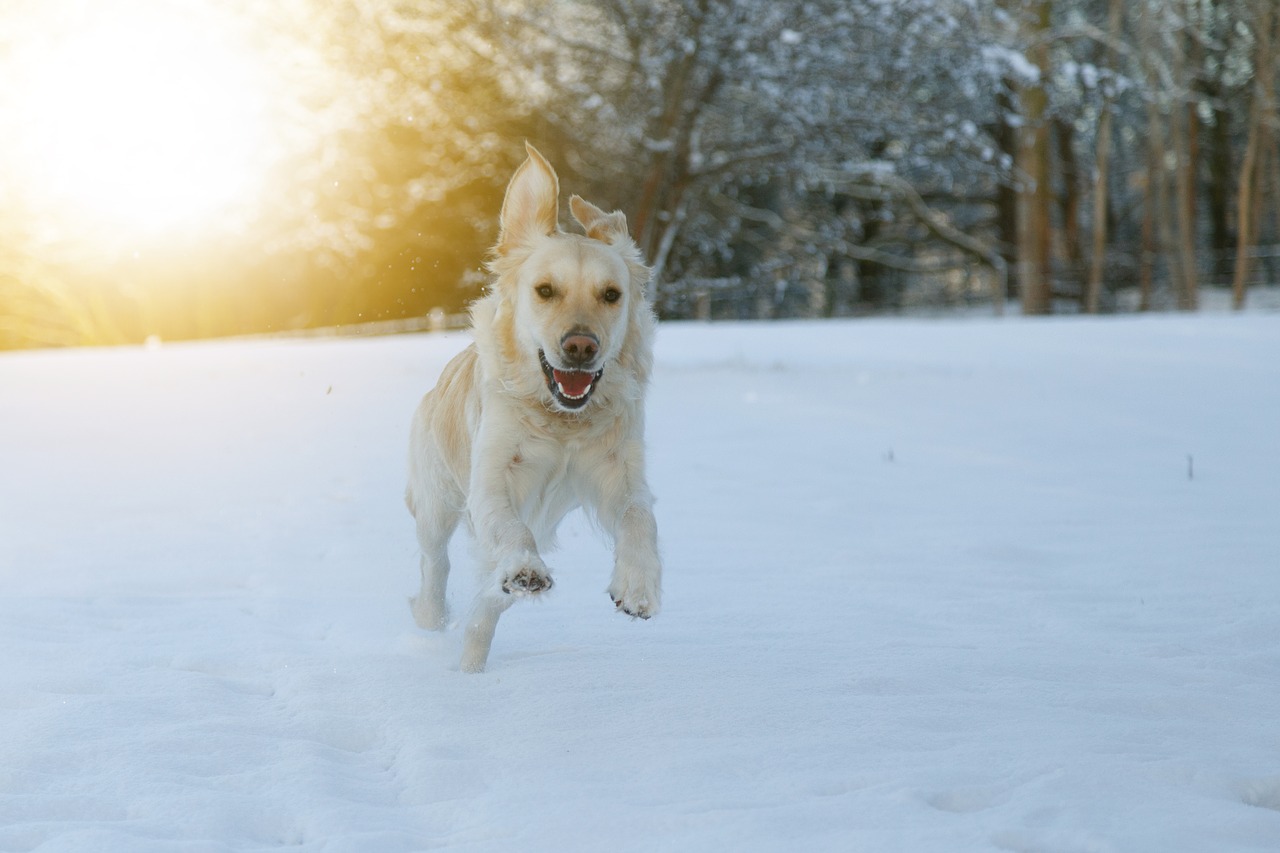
x,y
530,208
605,227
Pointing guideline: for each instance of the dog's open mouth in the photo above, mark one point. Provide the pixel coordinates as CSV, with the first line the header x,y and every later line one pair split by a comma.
x,y
571,388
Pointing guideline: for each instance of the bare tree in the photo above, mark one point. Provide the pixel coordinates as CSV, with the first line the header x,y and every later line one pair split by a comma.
x,y
1263,125
1033,162
1102,168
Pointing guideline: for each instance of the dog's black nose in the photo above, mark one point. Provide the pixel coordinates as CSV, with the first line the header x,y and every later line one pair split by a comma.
x,y
579,348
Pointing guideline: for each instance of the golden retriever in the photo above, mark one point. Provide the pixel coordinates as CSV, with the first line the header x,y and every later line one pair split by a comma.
x,y
542,414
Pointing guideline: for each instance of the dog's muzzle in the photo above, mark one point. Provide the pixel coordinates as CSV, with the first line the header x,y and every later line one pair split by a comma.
x,y
570,388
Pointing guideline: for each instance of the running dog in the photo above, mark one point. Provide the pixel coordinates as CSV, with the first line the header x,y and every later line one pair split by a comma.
x,y
542,414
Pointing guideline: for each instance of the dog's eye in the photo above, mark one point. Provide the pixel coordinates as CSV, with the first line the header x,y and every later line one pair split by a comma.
x,y
545,291
612,294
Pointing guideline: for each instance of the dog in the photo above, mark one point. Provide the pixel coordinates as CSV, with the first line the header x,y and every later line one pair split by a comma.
x,y
543,413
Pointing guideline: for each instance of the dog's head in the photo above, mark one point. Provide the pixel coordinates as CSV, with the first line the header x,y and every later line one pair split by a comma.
x,y
568,300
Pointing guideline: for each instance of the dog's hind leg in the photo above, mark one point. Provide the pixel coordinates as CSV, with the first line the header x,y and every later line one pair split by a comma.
x,y
436,522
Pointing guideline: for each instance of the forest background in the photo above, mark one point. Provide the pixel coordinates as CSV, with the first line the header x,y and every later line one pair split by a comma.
x,y
187,168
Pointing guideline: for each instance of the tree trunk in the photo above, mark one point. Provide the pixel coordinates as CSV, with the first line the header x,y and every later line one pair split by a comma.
x,y
1158,202
1006,138
1146,268
1034,194
663,250
1249,184
1102,165
1271,125
1184,188
1250,187
667,138
1219,164
1101,176
1182,129
1069,203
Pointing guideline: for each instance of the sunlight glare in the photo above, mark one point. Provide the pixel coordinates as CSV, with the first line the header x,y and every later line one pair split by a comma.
x,y
144,119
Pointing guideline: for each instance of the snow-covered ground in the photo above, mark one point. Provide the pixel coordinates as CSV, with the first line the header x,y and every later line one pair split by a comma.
x,y
931,586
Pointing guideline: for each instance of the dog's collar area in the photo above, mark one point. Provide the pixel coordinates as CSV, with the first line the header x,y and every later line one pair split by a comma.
x,y
570,388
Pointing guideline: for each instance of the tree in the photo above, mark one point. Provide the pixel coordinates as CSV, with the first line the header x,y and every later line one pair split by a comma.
x,y
798,157
1102,169
723,119
1034,164
1263,124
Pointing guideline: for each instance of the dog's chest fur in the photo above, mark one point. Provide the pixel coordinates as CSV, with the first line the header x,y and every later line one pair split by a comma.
x,y
556,463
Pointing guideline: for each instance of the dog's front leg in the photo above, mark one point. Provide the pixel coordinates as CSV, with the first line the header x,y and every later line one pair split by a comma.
x,y
481,624
504,540
636,587
626,508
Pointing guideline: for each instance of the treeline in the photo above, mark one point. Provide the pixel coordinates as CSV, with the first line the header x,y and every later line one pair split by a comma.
x,y
774,157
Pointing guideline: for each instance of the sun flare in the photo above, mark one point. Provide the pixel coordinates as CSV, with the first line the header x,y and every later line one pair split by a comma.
x,y
143,117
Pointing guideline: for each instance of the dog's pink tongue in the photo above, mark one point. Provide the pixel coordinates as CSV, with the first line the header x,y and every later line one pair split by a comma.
x,y
573,383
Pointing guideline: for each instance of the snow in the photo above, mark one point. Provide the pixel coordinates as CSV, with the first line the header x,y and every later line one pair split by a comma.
x,y
931,586
999,59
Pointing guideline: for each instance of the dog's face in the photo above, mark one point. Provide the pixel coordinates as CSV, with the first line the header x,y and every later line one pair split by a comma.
x,y
570,295
571,307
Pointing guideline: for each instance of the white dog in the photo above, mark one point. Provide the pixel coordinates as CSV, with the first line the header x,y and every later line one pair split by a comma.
x,y
542,414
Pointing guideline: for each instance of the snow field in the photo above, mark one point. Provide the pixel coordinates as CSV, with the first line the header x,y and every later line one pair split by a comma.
x,y
931,586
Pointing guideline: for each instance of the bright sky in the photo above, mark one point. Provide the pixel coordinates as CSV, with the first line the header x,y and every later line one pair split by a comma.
x,y
133,117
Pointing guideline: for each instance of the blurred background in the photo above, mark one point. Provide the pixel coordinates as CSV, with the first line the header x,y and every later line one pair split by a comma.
x,y
195,168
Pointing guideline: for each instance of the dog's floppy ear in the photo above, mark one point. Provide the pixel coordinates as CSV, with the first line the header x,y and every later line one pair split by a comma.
x,y
605,227
531,205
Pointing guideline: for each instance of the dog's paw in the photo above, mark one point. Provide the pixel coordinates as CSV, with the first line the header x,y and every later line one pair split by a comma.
x,y
429,615
636,610
527,580
638,596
